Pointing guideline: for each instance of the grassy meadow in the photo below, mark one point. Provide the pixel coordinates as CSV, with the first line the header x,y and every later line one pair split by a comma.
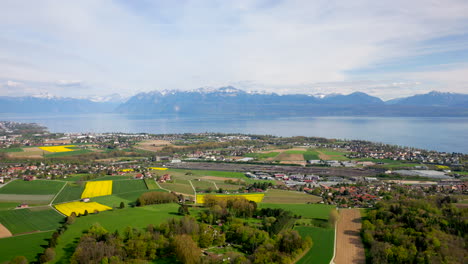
x,y
118,219
289,197
29,220
323,243
28,246
40,187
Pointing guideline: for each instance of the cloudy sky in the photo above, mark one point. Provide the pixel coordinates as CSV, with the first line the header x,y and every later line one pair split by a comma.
x,y
99,47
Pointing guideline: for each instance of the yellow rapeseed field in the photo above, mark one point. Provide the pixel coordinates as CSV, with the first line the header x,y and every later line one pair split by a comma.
x,y
256,197
156,168
97,188
127,170
80,207
64,148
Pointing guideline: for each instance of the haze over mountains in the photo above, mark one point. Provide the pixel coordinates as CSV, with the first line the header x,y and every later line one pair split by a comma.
x,y
230,100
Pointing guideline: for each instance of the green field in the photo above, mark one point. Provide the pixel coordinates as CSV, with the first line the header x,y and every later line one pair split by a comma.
x,y
226,186
26,245
203,185
323,243
180,186
289,197
319,211
294,151
7,205
262,155
151,184
332,152
112,200
75,177
8,150
71,192
67,153
32,187
29,220
30,199
138,217
113,178
311,155
126,186
227,174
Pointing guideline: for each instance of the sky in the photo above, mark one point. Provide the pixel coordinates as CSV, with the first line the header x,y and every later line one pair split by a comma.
x,y
88,48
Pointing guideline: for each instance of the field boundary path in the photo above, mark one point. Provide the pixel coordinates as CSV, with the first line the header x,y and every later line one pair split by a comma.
x,y
63,187
5,184
349,247
193,187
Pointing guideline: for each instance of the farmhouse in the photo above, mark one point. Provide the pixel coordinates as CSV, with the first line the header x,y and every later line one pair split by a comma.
x,y
29,178
139,176
164,178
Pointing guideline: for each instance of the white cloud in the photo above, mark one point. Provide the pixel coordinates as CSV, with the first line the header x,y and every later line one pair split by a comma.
x,y
69,83
12,84
286,47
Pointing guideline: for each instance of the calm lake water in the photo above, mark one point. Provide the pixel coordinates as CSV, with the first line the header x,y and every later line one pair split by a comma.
x,y
442,134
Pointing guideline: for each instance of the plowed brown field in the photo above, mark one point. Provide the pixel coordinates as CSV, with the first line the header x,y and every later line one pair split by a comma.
x,y
4,232
349,248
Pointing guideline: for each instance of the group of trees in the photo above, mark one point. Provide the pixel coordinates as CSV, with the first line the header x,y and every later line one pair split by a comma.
x,y
430,230
156,198
187,238
222,208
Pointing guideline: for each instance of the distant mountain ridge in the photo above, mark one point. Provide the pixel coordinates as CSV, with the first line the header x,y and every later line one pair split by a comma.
x,y
433,98
31,104
230,100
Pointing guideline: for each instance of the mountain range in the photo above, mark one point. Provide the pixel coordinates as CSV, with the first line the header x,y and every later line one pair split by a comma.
x,y
230,100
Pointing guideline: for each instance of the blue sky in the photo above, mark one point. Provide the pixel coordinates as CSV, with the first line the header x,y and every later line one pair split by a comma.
x,y
93,48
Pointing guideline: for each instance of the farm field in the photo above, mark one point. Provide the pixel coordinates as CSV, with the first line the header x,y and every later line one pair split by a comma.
x,y
203,185
8,150
80,207
7,205
256,197
40,187
28,246
261,156
319,211
226,186
329,154
53,149
71,192
113,178
128,186
311,155
179,186
29,199
97,188
151,184
30,220
323,243
198,173
286,197
138,217
69,153
349,247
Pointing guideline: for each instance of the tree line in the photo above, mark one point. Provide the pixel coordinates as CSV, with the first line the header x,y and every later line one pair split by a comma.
x,y
409,230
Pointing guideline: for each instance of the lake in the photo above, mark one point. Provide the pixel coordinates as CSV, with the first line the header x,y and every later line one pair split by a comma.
x,y
441,134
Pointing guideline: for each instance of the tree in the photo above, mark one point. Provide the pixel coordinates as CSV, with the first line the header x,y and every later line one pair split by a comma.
x,y
183,210
85,213
19,260
186,250
333,217
71,218
122,205
48,255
